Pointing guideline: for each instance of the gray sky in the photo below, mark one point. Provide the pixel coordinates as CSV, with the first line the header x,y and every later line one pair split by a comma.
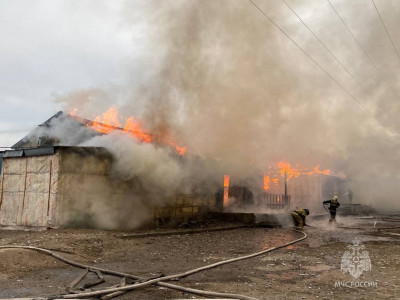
x,y
51,48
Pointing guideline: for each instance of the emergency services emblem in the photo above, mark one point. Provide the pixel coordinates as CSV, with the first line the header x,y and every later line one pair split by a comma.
x,y
355,261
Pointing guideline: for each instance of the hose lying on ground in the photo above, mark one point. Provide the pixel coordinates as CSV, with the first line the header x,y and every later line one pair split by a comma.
x,y
121,274
181,275
159,280
376,228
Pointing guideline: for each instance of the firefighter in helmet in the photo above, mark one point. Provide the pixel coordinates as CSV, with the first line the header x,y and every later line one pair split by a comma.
x,y
333,206
299,218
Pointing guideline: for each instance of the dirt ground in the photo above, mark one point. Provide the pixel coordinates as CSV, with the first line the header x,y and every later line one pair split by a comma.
x,y
306,270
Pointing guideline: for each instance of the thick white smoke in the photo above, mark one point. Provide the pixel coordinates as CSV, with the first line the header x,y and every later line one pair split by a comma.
x,y
159,174
224,81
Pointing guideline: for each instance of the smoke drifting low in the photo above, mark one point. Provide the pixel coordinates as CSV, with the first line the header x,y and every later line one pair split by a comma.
x,y
160,171
224,81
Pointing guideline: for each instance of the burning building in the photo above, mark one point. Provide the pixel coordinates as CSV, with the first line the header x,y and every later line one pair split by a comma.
x,y
283,187
75,172
46,182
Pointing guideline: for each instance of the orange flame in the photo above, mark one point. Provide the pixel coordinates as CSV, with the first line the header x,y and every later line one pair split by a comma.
x,y
109,121
226,189
286,167
291,172
180,150
266,182
326,171
73,112
226,180
135,128
294,172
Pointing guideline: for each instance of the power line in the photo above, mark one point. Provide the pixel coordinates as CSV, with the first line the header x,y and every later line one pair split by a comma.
x,y
362,48
327,49
310,57
387,32
395,11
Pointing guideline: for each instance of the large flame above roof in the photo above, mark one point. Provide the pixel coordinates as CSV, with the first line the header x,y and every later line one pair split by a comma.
x,y
111,121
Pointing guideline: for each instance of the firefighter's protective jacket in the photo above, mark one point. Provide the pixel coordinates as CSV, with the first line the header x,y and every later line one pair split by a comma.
x,y
302,213
333,204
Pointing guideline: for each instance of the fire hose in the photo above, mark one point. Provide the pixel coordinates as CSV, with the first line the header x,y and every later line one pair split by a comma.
x,y
120,274
385,219
377,228
157,281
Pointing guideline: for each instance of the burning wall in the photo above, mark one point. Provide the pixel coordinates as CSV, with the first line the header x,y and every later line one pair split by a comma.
x,y
306,187
281,186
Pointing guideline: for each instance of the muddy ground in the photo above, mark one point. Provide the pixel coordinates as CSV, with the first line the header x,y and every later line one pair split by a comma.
x,y
306,270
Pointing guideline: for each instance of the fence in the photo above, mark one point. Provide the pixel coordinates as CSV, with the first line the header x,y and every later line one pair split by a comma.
x,y
277,201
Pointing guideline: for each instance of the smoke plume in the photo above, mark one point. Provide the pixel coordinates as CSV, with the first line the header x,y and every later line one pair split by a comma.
x,y
223,80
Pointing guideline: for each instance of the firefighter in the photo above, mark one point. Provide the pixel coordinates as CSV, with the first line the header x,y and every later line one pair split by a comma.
x,y
333,206
299,218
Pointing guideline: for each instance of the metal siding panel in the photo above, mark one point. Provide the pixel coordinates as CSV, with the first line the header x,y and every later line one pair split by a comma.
x,y
13,153
39,151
